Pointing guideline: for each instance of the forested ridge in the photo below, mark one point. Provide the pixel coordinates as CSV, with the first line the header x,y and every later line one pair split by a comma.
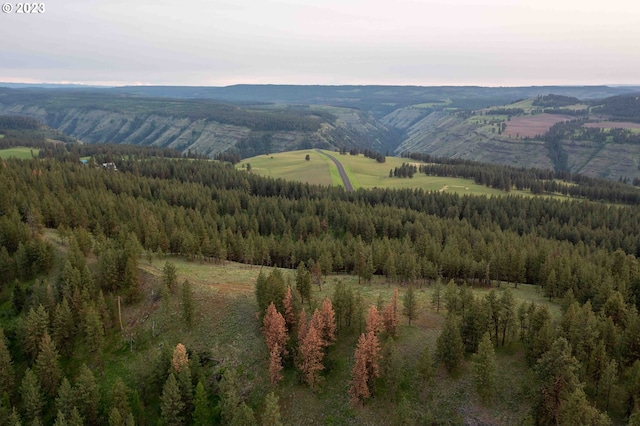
x,y
577,251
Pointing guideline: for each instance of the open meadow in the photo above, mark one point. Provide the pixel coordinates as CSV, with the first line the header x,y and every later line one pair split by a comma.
x,y
21,153
226,327
363,172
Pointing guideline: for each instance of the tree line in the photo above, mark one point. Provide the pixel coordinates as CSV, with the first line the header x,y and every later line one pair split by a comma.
x,y
537,181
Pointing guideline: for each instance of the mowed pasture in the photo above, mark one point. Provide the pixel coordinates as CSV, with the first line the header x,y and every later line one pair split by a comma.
x,y
21,153
532,125
363,172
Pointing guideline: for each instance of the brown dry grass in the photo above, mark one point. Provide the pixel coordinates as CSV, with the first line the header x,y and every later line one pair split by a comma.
x,y
532,125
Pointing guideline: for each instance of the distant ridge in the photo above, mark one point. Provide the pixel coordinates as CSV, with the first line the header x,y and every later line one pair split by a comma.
x,y
51,86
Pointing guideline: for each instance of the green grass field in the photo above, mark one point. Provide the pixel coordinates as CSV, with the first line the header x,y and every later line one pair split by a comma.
x,y
292,166
21,153
363,172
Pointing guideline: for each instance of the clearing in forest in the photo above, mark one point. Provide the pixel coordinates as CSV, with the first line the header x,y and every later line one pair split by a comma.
x,y
614,125
532,125
20,153
362,172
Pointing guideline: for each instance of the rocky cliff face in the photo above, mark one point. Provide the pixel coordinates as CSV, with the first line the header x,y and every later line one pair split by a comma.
x,y
348,128
443,128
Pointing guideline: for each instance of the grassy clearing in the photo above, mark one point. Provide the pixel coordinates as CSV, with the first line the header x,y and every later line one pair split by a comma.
x,y
427,105
226,325
293,166
363,173
21,153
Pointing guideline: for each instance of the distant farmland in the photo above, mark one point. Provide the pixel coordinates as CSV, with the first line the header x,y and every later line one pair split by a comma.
x,y
614,125
532,125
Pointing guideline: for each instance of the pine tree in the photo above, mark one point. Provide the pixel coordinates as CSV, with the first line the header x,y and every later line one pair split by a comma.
x,y
450,348
484,368
65,399
271,413
289,310
47,366
451,300
120,398
93,330
105,313
557,371
86,394
35,325
181,368
14,418
303,325
365,369
374,320
303,283
609,378
391,366
32,397
229,395
275,365
410,302
61,420
130,279
137,408
202,411
328,319
390,314
6,365
311,355
187,303
425,367
436,297
170,276
18,297
115,418
270,289
180,358
244,416
76,418
358,388
172,406
274,329
63,327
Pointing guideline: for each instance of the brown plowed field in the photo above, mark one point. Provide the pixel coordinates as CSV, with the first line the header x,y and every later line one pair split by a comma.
x,y
532,125
614,125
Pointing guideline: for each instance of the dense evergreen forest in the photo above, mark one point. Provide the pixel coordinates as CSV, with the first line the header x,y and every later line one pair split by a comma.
x,y
56,304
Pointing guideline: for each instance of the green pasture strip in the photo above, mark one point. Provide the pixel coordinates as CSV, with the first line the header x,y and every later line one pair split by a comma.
x,y
21,153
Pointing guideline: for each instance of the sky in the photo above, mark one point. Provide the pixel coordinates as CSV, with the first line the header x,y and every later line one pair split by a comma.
x,y
394,42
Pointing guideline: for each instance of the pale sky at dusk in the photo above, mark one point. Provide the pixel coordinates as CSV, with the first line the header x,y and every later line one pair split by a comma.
x,y
399,42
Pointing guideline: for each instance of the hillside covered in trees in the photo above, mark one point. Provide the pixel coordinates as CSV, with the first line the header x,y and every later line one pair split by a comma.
x,y
80,295
506,125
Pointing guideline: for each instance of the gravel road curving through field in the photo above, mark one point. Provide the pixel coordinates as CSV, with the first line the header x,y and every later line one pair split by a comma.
x,y
343,174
